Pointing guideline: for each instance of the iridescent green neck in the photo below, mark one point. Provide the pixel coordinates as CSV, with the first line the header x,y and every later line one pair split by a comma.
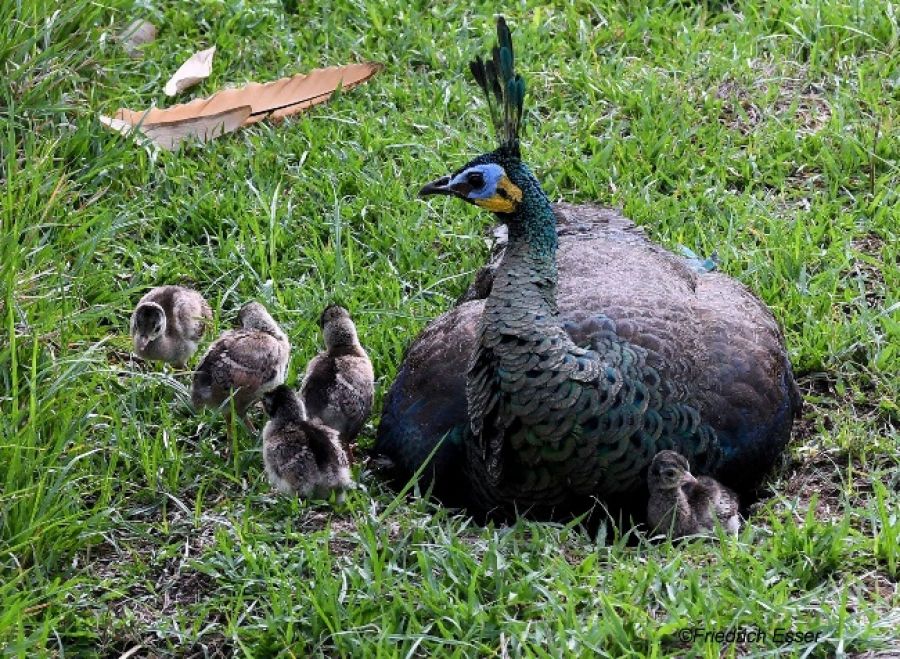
x,y
534,223
528,270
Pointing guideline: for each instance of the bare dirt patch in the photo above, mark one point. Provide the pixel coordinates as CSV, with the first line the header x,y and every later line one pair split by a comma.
x,y
817,469
142,582
796,98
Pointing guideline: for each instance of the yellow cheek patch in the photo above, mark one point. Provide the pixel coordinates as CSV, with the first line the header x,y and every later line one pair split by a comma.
x,y
511,189
496,204
506,200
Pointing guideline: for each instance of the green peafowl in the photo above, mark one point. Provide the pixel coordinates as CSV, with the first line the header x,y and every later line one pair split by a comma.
x,y
682,505
242,364
302,456
593,350
339,384
168,323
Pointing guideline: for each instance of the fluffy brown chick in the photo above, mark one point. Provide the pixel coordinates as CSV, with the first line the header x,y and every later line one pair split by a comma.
x,y
302,456
682,505
168,323
242,364
339,384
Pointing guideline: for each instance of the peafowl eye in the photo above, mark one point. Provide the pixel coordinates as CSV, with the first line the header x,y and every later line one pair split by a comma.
x,y
475,178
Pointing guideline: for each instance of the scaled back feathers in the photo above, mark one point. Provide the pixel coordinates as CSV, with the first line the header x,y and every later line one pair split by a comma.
x,y
503,88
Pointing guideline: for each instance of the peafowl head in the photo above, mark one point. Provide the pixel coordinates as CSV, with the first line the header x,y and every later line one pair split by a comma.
x,y
148,323
283,401
669,471
487,182
337,327
497,181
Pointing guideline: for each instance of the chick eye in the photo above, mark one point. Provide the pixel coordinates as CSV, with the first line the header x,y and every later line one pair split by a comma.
x,y
475,179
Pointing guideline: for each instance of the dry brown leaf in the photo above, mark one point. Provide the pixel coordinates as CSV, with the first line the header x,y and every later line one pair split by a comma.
x,y
196,69
169,134
276,99
116,124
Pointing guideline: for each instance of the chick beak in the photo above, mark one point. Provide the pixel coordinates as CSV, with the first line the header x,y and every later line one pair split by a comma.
x,y
688,479
141,342
438,186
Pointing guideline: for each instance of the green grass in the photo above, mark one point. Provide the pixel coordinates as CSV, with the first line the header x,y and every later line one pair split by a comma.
x,y
766,132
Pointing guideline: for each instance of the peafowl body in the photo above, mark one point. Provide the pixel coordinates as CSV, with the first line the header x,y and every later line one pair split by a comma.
x,y
593,350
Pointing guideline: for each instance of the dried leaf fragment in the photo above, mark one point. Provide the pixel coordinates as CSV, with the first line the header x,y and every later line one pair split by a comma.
x,y
196,69
170,134
277,99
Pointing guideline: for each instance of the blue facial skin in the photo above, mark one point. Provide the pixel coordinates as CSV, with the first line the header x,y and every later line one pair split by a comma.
x,y
492,174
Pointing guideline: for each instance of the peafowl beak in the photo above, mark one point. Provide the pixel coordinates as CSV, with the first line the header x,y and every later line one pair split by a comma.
x,y
438,186
688,479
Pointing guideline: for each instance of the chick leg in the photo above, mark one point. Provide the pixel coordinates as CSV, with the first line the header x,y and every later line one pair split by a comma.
x,y
248,424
